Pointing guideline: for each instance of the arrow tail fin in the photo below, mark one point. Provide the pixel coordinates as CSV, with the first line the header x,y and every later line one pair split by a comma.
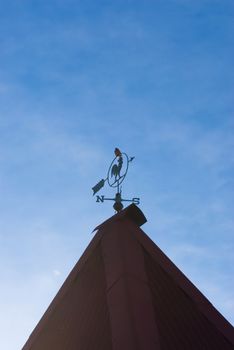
x,y
98,186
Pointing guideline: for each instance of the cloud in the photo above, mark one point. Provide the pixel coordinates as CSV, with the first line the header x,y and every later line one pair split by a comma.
x,y
210,147
221,297
23,306
40,142
188,250
56,273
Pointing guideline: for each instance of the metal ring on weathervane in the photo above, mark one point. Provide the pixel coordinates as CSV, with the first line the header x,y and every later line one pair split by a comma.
x,y
117,172
116,168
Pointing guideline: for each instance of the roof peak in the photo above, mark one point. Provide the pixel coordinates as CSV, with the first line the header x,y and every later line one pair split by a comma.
x,y
132,213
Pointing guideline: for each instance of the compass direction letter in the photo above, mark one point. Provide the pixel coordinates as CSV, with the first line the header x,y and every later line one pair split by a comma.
x,y
100,199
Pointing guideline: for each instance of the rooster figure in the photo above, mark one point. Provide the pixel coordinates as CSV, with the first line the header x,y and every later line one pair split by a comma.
x,y
115,171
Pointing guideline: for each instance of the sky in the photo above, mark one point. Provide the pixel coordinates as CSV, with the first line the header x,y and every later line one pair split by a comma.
x,y
79,78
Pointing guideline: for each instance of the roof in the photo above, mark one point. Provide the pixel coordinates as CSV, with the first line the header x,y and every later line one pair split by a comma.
x,y
124,293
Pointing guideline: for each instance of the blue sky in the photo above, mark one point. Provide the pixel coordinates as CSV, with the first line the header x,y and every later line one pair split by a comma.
x,y
77,79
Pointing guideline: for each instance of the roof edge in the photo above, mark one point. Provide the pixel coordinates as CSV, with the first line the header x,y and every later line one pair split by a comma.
x,y
63,290
204,305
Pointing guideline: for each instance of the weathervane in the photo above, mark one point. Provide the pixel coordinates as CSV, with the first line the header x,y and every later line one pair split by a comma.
x,y
116,174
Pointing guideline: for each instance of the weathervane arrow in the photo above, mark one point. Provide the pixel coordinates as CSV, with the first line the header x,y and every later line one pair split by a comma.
x,y
98,186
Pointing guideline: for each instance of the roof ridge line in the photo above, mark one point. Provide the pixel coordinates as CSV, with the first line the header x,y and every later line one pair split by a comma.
x,y
204,305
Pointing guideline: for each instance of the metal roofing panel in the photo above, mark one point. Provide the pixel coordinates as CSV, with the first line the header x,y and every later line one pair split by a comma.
x,y
180,322
81,319
125,286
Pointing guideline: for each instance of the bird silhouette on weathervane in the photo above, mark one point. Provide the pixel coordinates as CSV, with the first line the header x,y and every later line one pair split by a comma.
x,y
116,170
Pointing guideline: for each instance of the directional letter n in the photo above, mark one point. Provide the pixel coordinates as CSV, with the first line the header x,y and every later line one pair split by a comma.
x,y
100,198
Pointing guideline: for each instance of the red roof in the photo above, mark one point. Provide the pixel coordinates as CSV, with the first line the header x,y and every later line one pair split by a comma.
x,y
125,294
